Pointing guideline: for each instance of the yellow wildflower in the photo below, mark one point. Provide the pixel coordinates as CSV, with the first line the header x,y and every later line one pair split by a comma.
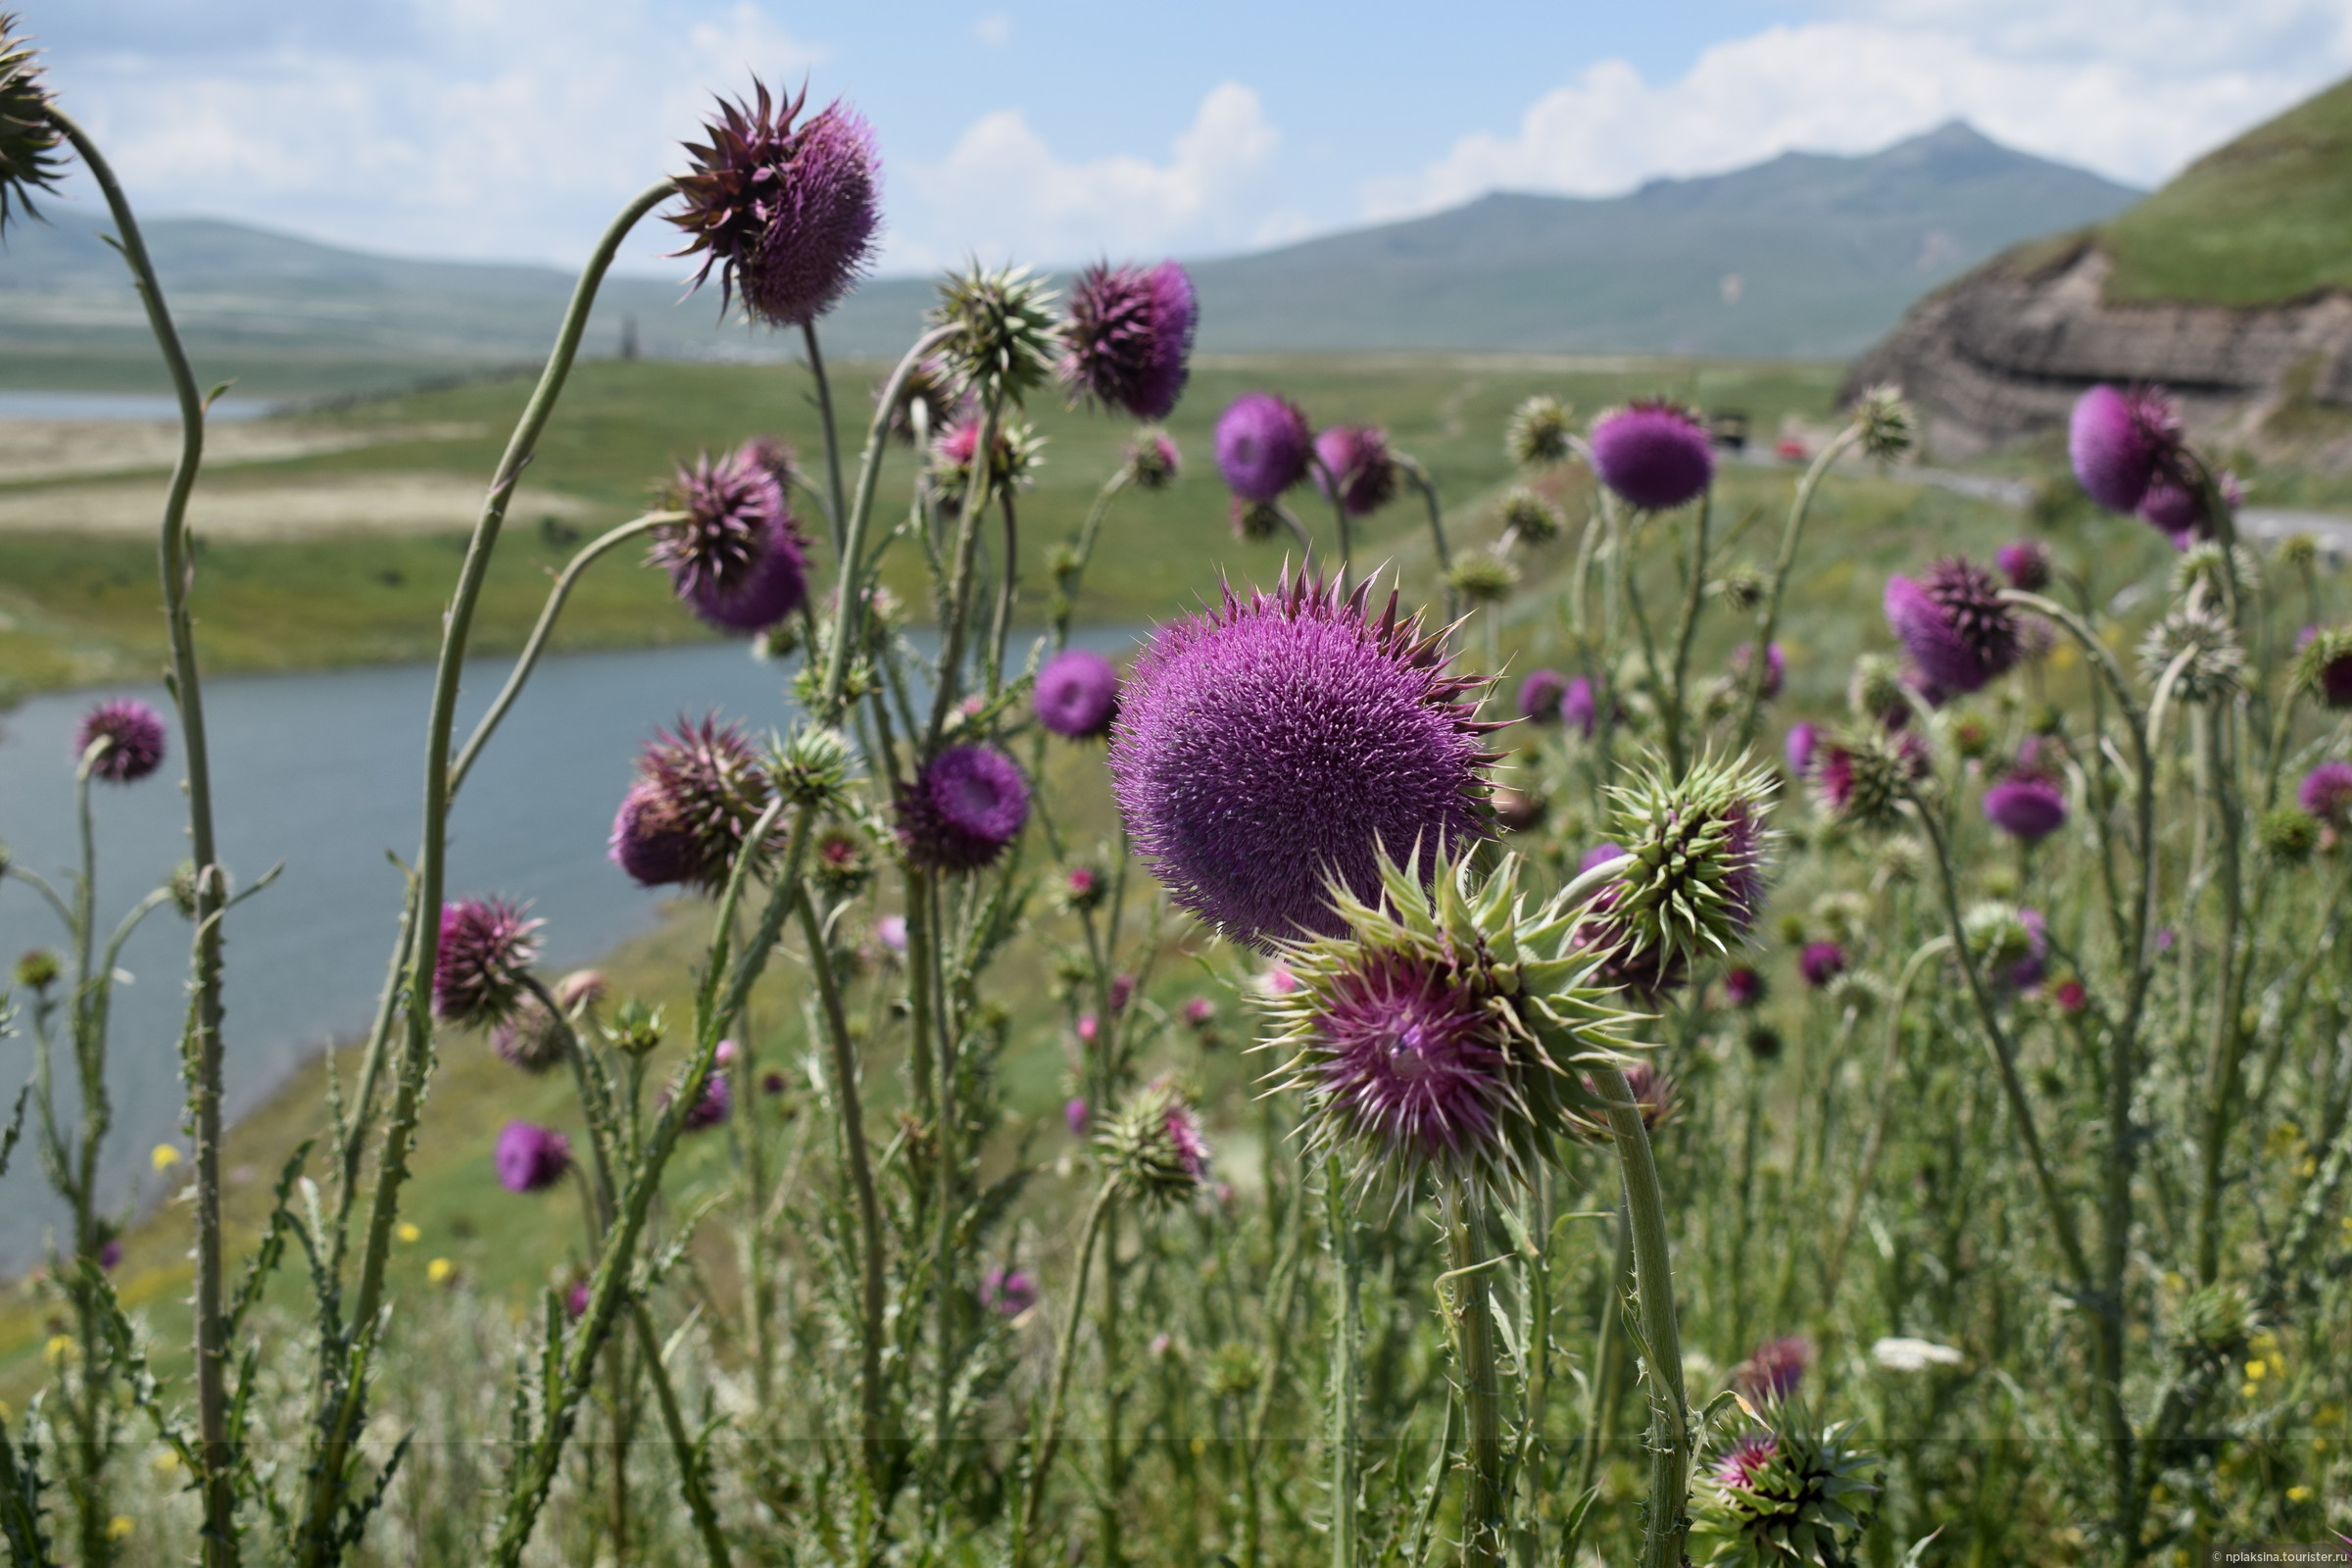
x,y
168,1461
164,1157
440,1271
59,1349
408,1232
2298,1493
119,1526
2255,1371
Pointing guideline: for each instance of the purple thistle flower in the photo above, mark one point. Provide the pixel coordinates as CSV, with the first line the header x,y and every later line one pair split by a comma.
x,y
700,789
1599,854
1077,1116
1776,668
1655,455
1774,1369
1077,693
715,1106
2026,563
1356,457
2325,667
1279,740
2326,793
1409,1062
1954,626
2031,970
1007,1292
575,1300
1578,707
1541,695
1262,445
1129,337
485,947
737,558
529,1037
787,213
1821,962
1800,748
1744,1462
1184,1137
964,806
531,1159
133,738
2121,442
891,932
1199,1012
110,1254
2026,806
2177,512
1742,987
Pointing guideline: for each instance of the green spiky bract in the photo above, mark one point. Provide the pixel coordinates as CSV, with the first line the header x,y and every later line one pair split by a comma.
x,y
1507,971
1008,337
1154,1146
1693,879
29,137
1795,1508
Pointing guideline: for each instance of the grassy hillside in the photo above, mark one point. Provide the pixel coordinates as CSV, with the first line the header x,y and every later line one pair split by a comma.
x,y
2266,219
75,609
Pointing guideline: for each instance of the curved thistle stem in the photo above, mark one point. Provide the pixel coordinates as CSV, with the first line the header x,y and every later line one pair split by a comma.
x,y
1428,487
1889,1065
1067,605
178,569
527,662
825,413
1801,506
320,1535
1330,484
1677,751
1007,584
693,1466
1669,1438
1048,1440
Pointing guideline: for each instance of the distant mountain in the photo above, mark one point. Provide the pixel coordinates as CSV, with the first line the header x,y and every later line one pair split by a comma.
x,y
2232,285
1803,254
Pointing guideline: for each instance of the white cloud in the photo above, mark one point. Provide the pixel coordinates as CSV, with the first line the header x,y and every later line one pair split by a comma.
x,y
2118,86
994,30
516,135
1003,192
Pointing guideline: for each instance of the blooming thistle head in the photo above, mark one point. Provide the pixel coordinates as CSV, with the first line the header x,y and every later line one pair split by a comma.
x,y
1153,462
1006,340
1691,881
699,790
1263,443
1527,515
1889,428
1155,1148
1821,962
1540,694
712,1108
1444,1029
2029,804
2026,563
1773,1370
1014,455
1129,338
29,138
1356,467
1539,435
1861,776
1007,1292
1742,987
531,1159
2326,793
487,944
1782,1495
128,737
787,212
530,1036
964,806
1797,750
2121,442
1077,693
2198,646
1955,625
1579,706
1276,741
1655,455
2323,668
1776,668
737,557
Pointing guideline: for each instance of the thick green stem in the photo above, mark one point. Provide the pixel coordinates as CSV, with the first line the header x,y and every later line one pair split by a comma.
x,y
1066,1356
694,1477
824,411
1347,1376
177,568
1669,1438
2224,1050
1473,1313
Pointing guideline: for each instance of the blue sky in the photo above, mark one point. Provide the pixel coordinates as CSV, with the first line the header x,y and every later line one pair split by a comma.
x,y
1055,131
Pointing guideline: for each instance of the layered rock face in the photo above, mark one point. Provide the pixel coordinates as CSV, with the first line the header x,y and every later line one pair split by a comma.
x,y
2005,351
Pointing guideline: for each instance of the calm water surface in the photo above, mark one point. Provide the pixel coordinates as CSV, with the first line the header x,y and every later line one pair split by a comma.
x,y
321,771
108,408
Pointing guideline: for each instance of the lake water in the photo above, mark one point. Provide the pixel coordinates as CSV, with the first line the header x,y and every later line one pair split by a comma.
x,y
321,771
108,408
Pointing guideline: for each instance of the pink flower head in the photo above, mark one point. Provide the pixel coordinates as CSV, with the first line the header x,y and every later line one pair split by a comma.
x,y
1199,1012
531,1159
1776,668
1076,1116
1655,455
736,557
1122,992
715,1106
2071,996
1821,962
1355,459
575,1300
891,932
2326,793
1129,337
1077,693
1090,1028
1599,854
964,807
1007,1292
1800,748
1774,1369
2026,563
1262,445
130,736
1955,626
1742,987
2026,806
2121,442
486,946
1540,696
2031,970
1578,709
699,791
1411,1062
1743,1463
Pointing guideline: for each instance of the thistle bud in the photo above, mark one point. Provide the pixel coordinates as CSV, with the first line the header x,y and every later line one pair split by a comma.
x,y
2323,668
37,969
1155,1148
2205,646
1532,517
814,767
1006,337
1693,876
1889,428
2287,833
637,1028
1539,433
1483,577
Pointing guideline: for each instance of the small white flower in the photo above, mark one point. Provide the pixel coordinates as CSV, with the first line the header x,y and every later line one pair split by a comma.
x,y
1913,1355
